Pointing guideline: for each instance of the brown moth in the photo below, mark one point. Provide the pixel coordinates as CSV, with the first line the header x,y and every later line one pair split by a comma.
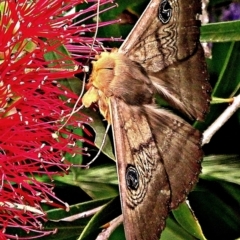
x,y
158,153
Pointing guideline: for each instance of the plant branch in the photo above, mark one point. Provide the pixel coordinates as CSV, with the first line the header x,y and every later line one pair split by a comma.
x,y
221,120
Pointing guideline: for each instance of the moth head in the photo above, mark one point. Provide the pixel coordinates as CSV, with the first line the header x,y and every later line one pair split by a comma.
x,y
99,81
102,73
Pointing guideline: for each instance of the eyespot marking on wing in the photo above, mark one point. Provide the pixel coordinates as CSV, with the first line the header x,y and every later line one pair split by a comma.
x,y
132,177
165,11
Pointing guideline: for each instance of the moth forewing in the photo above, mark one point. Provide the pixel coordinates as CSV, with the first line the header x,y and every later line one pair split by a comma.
x,y
165,41
144,185
143,22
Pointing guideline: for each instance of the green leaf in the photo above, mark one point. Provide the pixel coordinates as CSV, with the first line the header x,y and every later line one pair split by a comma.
x,y
100,131
97,182
174,231
121,30
221,32
226,63
109,212
71,229
216,205
185,217
222,167
57,214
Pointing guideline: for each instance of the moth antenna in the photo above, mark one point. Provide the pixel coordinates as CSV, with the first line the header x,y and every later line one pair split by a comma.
x,y
100,148
75,109
28,70
104,49
96,32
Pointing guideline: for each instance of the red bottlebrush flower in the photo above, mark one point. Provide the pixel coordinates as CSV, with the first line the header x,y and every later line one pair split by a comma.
x,y
32,103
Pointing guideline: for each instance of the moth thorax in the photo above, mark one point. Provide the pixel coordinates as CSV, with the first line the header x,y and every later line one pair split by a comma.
x,y
130,82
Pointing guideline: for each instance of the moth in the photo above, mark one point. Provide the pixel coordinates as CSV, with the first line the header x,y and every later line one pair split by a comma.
x,y
158,153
